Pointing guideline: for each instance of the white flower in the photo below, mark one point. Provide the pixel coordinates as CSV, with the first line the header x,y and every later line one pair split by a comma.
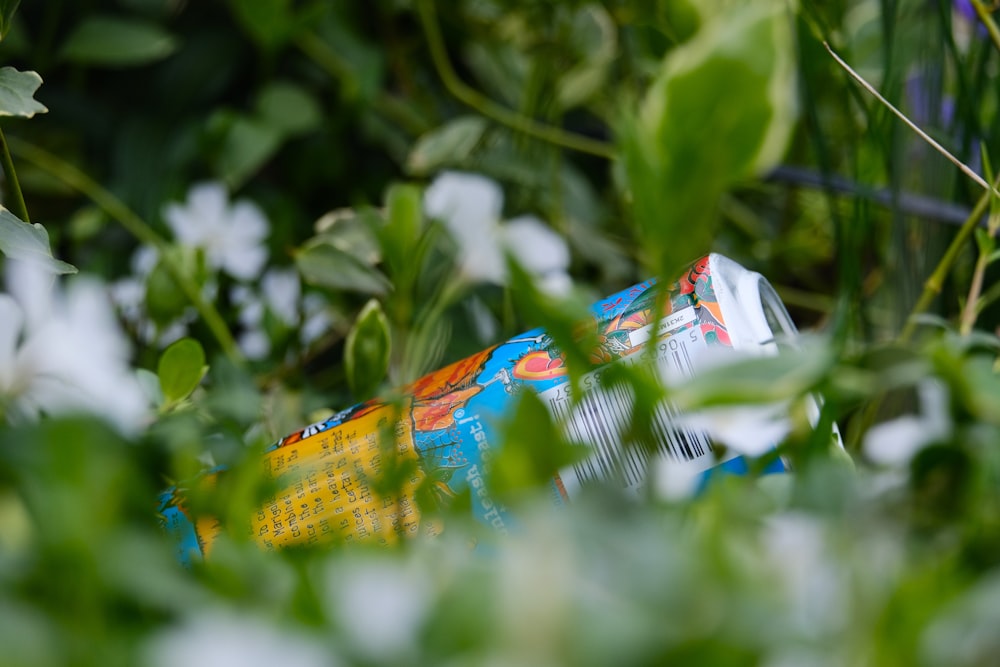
x,y
64,352
752,430
280,294
282,291
895,442
380,605
813,583
470,207
676,480
129,296
316,318
232,236
213,639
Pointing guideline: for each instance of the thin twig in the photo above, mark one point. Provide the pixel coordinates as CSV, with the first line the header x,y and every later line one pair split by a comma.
x,y
487,107
118,210
991,27
933,285
18,207
913,126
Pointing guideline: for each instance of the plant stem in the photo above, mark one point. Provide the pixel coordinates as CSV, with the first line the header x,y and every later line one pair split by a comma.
x,y
327,59
971,310
489,108
118,210
991,27
19,208
933,285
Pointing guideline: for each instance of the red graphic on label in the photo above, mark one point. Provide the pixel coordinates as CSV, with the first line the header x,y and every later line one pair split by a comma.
x,y
538,365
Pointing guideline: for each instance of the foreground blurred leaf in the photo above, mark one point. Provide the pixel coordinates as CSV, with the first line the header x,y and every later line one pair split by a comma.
x,y
533,451
721,110
366,357
20,240
17,93
116,42
753,380
181,368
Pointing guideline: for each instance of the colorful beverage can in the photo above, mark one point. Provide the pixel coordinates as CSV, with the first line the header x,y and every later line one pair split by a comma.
x,y
444,431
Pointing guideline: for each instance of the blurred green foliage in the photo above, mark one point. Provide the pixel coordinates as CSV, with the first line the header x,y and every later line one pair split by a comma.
x,y
645,134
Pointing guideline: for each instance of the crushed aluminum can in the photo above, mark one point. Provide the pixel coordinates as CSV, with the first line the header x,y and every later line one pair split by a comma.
x,y
445,433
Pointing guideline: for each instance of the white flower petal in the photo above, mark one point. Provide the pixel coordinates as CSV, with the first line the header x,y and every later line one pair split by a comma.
x,y
31,286
468,204
282,290
934,399
223,638
200,216
248,220
244,263
676,480
129,294
896,442
144,260
76,360
317,319
535,246
380,605
557,283
11,321
752,430
231,236
484,323
482,260
812,581
171,333
254,344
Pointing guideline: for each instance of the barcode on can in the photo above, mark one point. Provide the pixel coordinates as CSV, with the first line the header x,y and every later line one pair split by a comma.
x,y
600,420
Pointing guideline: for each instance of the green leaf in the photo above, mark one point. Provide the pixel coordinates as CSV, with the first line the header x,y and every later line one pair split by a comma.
x,y
324,265
165,301
20,240
366,354
181,369
449,144
404,221
595,37
248,143
268,22
721,110
288,108
724,105
790,374
533,450
17,93
984,242
7,9
582,83
352,231
108,41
